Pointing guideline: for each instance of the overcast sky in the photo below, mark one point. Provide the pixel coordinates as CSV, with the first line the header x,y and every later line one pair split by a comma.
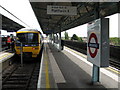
x,y
81,31
22,9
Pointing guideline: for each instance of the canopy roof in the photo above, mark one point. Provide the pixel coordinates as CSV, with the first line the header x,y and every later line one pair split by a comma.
x,y
85,13
10,25
50,23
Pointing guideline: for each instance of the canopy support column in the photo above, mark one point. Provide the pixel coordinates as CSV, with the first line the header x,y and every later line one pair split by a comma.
x,y
119,19
60,40
0,32
53,38
0,51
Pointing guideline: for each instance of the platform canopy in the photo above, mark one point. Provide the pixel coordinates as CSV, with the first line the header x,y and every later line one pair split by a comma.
x,y
10,25
51,23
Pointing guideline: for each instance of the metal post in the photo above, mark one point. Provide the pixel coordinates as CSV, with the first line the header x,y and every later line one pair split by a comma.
x,y
0,51
53,39
21,52
56,38
95,74
119,19
60,40
96,69
0,42
0,33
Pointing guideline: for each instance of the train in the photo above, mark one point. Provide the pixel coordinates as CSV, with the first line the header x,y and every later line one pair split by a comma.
x,y
29,42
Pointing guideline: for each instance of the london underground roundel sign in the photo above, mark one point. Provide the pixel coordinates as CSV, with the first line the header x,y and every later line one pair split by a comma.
x,y
94,45
98,42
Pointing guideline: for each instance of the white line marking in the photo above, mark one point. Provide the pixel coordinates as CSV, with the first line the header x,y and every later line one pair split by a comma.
x,y
40,74
58,76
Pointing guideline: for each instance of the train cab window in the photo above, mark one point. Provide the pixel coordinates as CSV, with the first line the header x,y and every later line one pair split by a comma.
x,y
28,37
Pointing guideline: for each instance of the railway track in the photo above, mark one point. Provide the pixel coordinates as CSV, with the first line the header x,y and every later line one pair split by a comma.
x,y
17,77
22,78
115,63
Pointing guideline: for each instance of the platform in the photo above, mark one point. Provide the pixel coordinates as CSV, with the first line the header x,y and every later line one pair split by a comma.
x,y
70,69
49,73
5,58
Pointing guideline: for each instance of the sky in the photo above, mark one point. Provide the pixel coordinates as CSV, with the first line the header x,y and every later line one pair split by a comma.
x,y
81,31
22,9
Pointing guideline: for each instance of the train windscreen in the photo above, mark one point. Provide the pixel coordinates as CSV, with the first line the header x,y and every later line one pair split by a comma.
x,y
28,38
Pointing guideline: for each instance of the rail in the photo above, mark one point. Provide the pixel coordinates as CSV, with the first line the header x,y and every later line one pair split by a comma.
x,y
21,77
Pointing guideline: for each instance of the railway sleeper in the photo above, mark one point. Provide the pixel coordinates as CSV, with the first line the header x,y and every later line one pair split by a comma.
x,y
15,82
20,87
16,79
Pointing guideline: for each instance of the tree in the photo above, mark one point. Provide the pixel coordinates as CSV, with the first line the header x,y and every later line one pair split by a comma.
x,y
74,37
66,36
80,39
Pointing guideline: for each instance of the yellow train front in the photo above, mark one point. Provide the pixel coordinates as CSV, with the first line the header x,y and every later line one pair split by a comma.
x,y
31,40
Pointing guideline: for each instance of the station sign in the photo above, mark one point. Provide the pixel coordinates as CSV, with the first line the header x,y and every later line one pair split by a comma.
x,y
62,10
98,42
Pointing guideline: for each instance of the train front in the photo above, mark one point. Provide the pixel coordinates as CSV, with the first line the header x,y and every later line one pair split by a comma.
x,y
30,41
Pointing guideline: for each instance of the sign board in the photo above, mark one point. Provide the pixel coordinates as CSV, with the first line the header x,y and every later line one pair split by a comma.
x,y
62,10
98,42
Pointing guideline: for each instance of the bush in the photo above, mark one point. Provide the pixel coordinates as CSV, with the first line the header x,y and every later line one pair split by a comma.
x,y
80,39
115,41
74,37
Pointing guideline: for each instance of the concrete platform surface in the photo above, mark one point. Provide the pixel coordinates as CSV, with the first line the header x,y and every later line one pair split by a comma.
x,y
75,77
70,69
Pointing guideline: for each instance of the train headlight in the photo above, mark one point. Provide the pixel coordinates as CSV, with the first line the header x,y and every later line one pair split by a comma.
x,y
35,48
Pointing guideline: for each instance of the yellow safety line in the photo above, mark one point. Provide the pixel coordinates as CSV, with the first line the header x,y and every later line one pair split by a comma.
x,y
46,71
5,55
109,68
113,70
47,76
76,52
